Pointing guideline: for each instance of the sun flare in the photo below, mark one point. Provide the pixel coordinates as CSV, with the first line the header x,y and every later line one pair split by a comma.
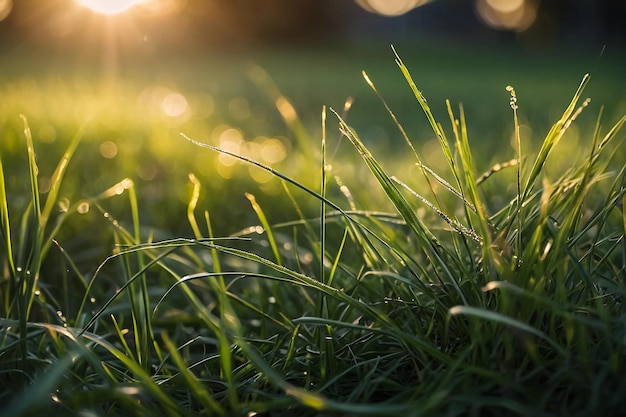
x,y
109,7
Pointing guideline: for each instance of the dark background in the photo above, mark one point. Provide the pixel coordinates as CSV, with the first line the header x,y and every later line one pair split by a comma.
x,y
191,25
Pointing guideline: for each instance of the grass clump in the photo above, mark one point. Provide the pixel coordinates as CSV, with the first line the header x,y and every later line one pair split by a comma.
x,y
471,297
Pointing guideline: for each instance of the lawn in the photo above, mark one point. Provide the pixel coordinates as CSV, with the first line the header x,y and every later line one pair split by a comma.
x,y
146,272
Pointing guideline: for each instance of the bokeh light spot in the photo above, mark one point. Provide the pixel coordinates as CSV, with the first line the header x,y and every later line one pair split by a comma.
x,y
109,7
273,150
64,205
174,104
83,207
286,109
390,7
505,6
147,171
231,141
170,105
515,15
259,175
5,8
108,149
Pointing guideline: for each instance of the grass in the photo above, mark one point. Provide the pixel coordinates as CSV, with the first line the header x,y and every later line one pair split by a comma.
x,y
449,292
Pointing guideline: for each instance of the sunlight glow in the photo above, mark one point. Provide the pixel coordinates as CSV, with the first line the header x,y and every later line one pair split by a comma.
x,y
169,105
174,104
506,6
515,15
109,7
390,7
5,8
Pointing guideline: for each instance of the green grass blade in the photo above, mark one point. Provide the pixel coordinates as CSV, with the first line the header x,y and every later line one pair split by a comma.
x,y
554,135
263,80
454,224
307,190
5,226
198,390
424,169
266,226
191,207
59,173
30,272
38,393
495,317
388,185
439,133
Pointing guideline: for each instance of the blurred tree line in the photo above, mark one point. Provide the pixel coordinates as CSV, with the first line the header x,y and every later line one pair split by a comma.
x,y
234,23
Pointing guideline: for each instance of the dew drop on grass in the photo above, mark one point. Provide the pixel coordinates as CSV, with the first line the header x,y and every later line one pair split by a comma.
x,y
130,391
513,101
306,258
64,205
44,184
83,207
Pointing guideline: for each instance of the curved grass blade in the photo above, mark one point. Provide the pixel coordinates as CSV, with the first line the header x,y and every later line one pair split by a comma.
x,y
554,135
507,321
347,215
266,226
198,390
5,226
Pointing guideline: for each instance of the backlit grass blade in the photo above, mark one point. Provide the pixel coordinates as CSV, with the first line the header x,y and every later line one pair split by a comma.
x,y
59,173
191,207
436,127
613,132
554,135
30,272
492,316
333,269
198,390
5,226
389,187
423,168
266,226
469,173
304,280
454,224
285,108
132,279
309,191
